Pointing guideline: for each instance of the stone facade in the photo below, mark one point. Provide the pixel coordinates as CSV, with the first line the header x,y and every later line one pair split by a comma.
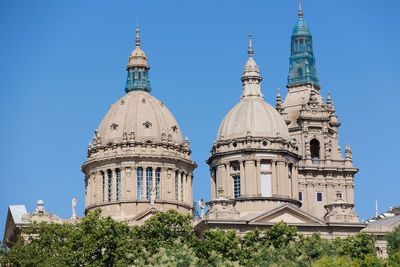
x,y
269,165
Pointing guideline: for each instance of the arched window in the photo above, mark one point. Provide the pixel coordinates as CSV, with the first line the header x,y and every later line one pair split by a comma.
x,y
176,185
301,45
236,186
158,183
149,177
182,186
314,147
118,184
109,174
139,183
103,176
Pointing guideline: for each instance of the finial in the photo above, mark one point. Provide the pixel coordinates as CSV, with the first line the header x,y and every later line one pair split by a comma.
x,y
137,37
251,52
329,100
376,209
278,97
300,11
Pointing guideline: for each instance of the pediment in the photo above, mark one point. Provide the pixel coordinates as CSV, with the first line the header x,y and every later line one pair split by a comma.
x,y
287,213
144,215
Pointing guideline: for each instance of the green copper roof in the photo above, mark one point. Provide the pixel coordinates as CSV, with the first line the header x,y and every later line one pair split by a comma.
x,y
302,62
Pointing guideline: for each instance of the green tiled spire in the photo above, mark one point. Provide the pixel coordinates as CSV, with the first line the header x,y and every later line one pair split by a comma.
x,y
302,61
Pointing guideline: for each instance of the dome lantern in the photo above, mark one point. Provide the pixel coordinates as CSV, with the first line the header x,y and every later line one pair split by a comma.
x,y
251,76
138,76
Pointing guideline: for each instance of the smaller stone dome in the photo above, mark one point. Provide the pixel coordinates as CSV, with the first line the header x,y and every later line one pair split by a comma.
x,y
140,114
253,117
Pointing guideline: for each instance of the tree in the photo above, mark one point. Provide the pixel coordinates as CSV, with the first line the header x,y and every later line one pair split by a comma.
x,y
280,234
163,229
94,241
393,240
357,246
223,243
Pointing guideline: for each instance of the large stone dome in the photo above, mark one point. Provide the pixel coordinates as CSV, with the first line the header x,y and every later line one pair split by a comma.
x,y
252,117
140,113
138,163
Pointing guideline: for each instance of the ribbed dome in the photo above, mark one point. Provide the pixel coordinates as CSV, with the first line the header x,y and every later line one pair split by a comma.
x,y
254,117
144,115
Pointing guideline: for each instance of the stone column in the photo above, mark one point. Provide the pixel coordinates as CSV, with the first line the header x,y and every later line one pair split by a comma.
x,y
87,190
166,175
274,178
242,179
93,188
213,185
191,189
220,180
257,180
114,185
249,177
283,179
127,182
295,182
228,181
179,186
98,186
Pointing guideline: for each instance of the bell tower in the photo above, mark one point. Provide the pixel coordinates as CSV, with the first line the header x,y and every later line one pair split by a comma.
x,y
326,178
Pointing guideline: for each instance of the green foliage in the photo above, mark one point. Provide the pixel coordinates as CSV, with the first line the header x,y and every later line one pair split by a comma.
x,y
163,229
168,239
223,243
176,254
94,241
356,246
336,261
280,235
393,240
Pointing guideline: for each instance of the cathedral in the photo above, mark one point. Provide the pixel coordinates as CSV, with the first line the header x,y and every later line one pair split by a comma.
x,y
268,163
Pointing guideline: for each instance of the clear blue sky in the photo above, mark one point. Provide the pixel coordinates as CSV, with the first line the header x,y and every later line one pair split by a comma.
x,y
62,64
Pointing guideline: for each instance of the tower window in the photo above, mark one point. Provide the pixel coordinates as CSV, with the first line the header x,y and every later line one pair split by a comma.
x,y
301,45
109,173
182,186
158,183
300,196
236,186
149,177
319,196
338,195
176,185
300,71
118,183
103,184
139,183
314,147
